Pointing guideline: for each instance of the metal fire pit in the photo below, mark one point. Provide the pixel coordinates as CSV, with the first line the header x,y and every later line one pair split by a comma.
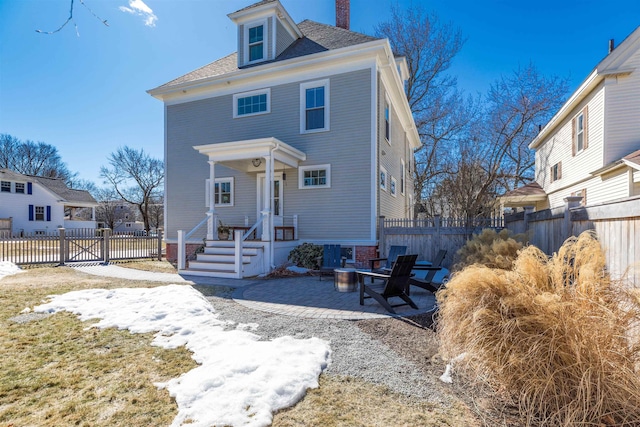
x,y
345,279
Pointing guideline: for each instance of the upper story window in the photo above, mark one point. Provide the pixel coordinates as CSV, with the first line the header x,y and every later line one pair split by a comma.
x,y
387,121
20,187
556,172
579,132
5,186
256,43
252,103
314,106
403,175
318,176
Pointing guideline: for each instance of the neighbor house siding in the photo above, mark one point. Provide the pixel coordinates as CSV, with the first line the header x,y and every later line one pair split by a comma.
x,y
341,211
576,169
16,206
622,103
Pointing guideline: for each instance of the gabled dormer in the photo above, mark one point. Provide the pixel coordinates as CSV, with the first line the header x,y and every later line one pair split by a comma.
x,y
265,30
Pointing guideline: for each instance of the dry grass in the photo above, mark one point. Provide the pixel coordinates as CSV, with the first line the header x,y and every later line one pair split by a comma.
x,y
345,401
147,265
55,372
553,336
490,249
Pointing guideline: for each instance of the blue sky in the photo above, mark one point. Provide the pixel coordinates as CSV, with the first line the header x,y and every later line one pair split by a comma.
x,y
87,95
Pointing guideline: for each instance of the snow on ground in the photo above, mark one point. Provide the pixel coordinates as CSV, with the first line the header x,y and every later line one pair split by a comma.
x,y
7,268
241,380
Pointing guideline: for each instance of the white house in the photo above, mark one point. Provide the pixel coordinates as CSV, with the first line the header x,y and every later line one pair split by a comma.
x,y
305,132
33,204
590,148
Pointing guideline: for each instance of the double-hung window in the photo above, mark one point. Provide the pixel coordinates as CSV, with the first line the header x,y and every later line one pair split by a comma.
x,y
579,131
256,43
318,176
20,187
383,178
252,103
314,106
39,213
403,175
556,172
387,121
5,186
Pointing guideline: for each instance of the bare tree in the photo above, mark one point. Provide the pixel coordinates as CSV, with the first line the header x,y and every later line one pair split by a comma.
x,y
442,114
33,158
70,19
136,178
495,158
156,212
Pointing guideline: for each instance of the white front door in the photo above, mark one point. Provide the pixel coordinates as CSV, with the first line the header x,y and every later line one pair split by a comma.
x,y
277,206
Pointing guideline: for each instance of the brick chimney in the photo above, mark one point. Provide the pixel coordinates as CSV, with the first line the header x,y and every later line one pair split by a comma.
x,y
342,14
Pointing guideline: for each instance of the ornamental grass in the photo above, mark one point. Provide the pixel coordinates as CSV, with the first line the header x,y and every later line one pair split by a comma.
x,y
491,249
556,337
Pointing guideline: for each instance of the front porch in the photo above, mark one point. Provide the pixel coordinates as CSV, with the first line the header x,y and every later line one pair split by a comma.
x,y
249,249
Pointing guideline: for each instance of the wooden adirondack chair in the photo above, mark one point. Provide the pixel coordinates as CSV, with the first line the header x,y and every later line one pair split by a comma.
x,y
331,259
427,282
394,251
395,284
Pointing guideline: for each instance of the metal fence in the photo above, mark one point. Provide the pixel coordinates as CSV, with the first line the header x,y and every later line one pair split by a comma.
x,y
78,245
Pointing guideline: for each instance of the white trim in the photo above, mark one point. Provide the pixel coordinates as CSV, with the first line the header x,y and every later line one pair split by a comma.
x,y
303,169
383,170
207,201
303,107
393,187
373,173
238,96
265,40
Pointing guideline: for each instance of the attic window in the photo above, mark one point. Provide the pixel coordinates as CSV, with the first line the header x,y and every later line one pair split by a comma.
x,y
256,43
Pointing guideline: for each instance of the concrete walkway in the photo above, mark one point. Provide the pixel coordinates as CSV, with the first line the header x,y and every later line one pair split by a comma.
x,y
302,296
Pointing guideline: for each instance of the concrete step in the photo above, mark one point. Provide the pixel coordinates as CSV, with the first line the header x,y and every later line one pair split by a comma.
x,y
208,273
221,266
223,250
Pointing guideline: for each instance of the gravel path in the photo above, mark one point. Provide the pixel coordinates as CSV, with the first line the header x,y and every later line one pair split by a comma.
x,y
354,352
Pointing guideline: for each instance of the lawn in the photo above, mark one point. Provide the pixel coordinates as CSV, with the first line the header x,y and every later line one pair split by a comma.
x,y
55,371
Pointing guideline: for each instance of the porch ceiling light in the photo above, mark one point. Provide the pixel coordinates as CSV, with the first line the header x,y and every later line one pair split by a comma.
x,y
256,162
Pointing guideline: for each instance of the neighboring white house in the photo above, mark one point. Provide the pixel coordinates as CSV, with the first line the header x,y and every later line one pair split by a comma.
x,y
305,132
40,205
590,148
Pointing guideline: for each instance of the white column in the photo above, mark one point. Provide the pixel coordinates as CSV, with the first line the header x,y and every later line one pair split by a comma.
x,y
268,198
212,223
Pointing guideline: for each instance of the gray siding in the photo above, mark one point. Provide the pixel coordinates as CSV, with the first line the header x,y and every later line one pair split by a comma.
x,y
283,38
389,155
340,212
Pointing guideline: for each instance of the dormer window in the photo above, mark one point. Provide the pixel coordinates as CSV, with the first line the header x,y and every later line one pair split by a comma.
x,y
256,43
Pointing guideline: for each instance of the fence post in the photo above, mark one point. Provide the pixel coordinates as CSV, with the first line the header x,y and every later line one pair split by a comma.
x,y
63,253
436,223
106,246
381,236
181,250
569,203
159,232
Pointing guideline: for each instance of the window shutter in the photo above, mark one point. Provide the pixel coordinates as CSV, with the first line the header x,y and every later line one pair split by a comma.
x,y
551,174
48,213
584,197
586,126
29,188
31,212
559,170
573,137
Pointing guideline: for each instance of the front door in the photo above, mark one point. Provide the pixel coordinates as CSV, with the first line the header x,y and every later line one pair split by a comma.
x,y
277,200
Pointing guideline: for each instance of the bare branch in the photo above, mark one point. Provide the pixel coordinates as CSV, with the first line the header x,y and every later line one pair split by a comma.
x,y
70,19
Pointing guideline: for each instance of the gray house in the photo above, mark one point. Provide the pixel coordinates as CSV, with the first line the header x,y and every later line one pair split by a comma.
x,y
302,135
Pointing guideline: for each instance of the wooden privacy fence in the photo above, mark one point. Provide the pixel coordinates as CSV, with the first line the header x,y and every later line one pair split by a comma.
x,y
78,245
616,224
426,237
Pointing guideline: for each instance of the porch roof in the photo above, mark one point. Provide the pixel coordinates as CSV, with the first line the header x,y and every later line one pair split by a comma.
x,y
239,155
524,195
